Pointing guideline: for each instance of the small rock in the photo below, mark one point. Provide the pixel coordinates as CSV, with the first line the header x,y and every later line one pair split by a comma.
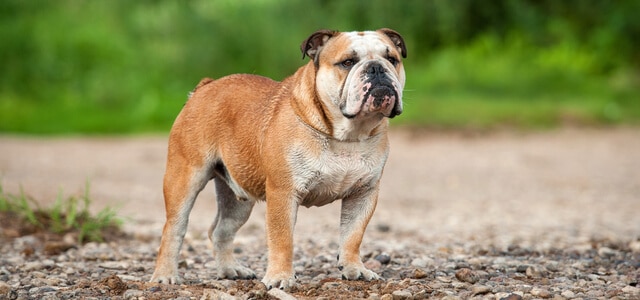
x,y
382,227
419,262
280,294
184,293
374,296
631,290
330,285
595,294
154,289
534,272
420,295
213,294
635,246
32,266
373,264
401,295
130,278
130,294
467,275
480,290
419,274
542,293
383,258
512,297
568,294
606,252
55,248
386,297
522,268
114,265
5,289
46,289
114,283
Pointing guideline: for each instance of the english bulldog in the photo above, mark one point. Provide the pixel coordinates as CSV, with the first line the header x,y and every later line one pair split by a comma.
x,y
318,136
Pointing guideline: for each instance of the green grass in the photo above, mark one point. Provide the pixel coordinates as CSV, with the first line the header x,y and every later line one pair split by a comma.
x,y
68,214
114,67
489,84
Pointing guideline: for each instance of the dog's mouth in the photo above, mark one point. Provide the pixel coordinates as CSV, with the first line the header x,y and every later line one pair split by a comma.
x,y
379,100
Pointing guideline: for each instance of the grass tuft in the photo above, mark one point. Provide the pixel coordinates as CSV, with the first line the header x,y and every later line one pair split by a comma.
x,y
68,215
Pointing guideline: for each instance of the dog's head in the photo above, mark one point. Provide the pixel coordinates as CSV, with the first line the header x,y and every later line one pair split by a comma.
x,y
360,73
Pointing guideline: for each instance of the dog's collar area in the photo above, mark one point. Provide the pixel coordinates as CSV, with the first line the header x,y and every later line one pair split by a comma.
x,y
315,130
329,136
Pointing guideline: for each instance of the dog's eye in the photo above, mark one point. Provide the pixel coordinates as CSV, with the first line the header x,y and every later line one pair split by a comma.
x,y
348,63
392,60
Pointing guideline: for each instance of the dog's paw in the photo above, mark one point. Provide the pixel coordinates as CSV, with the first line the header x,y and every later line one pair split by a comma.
x,y
281,281
166,279
236,271
359,273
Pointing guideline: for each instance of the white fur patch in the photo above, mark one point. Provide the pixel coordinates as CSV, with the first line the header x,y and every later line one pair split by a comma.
x,y
342,169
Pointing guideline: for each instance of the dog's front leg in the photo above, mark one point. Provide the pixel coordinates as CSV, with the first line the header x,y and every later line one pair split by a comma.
x,y
282,209
355,215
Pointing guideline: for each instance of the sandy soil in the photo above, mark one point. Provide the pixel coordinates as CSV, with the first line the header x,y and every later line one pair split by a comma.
x,y
441,186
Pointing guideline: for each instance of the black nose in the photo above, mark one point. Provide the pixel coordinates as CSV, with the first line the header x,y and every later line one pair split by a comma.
x,y
375,69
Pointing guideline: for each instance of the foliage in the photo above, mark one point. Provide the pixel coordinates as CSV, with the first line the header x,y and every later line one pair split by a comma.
x,y
126,66
69,214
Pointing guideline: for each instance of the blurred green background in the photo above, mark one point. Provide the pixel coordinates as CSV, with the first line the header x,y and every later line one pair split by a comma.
x,y
121,66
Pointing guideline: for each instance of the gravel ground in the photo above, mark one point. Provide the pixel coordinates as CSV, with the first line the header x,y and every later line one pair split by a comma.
x,y
494,216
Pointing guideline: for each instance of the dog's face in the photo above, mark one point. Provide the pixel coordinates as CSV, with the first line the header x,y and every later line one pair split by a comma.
x,y
359,74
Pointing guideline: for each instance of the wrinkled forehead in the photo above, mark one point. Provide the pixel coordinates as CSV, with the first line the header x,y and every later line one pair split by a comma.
x,y
364,43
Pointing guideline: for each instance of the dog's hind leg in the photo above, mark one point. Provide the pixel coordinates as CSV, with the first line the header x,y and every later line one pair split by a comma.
x,y
182,184
231,215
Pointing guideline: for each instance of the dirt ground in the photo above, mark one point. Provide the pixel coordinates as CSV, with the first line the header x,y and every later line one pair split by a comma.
x,y
448,186
560,189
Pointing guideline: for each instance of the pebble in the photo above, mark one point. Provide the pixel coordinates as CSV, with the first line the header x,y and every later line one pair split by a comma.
x,y
419,262
213,294
511,297
401,295
467,275
606,252
280,294
542,293
114,265
386,297
534,272
130,294
33,265
383,258
373,264
474,269
632,290
419,274
480,290
568,294
4,288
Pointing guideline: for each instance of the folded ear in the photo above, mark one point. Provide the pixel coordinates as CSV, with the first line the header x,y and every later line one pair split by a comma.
x,y
397,40
312,45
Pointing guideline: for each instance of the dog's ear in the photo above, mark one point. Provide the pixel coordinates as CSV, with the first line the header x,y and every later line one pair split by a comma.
x,y
312,45
397,40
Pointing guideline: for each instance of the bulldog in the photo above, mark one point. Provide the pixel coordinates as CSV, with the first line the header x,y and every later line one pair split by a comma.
x,y
318,136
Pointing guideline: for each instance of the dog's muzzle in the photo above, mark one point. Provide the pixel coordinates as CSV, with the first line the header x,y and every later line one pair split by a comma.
x,y
377,93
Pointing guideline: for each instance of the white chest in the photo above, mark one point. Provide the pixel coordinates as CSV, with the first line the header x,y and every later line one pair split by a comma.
x,y
336,173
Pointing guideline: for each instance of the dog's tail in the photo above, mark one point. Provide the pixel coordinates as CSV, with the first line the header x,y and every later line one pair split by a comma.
x,y
202,83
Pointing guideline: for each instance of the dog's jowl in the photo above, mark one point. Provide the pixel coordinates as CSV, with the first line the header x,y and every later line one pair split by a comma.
x,y
318,136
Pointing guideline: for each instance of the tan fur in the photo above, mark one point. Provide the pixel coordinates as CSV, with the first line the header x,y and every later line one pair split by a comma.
x,y
277,143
